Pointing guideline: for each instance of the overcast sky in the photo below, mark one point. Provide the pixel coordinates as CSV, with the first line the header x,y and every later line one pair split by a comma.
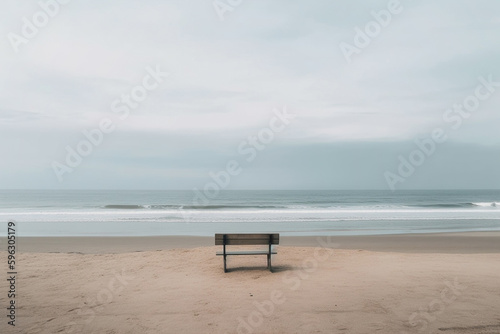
x,y
359,102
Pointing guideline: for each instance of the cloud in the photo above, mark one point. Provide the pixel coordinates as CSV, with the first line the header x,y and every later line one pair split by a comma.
x,y
227,77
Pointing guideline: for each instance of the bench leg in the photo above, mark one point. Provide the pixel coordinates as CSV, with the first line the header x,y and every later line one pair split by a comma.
x,y
269,257
224,251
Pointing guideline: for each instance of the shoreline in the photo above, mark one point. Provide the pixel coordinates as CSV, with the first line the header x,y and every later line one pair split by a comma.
x,y
448,243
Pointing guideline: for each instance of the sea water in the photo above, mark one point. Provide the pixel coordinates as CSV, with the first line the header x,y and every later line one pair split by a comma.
x,y
305,212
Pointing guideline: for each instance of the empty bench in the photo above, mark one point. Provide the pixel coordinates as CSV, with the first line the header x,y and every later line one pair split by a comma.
x,y
247,239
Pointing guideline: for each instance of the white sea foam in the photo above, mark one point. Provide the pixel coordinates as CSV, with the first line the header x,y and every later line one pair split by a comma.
x,y
488,204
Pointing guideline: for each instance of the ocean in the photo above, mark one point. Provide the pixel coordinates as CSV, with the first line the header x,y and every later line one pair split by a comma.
x,y
154,213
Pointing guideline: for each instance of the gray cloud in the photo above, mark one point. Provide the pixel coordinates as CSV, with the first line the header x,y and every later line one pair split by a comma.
x,y
226,78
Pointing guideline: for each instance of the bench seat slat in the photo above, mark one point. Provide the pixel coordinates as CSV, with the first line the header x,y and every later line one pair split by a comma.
x,y
246,253
240,242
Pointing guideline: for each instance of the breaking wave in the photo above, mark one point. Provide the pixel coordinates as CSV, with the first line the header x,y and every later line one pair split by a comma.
x,y
189,207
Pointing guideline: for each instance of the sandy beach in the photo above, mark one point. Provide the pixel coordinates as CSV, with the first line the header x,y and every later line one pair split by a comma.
x,y
440,283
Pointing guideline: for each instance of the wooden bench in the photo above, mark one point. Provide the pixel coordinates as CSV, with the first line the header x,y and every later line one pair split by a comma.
x,y
247,239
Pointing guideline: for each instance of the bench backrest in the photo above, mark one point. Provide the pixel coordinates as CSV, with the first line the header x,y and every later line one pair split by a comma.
x,y
247,239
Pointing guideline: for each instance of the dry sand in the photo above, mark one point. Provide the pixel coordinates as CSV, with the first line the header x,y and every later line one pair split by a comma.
x,y
416,287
